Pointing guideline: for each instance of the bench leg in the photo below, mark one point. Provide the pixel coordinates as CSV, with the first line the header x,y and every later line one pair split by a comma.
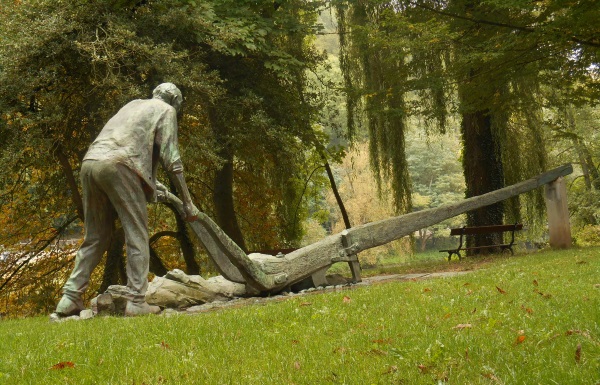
x,y
457,252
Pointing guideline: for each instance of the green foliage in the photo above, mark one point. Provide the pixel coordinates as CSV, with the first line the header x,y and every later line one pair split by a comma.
x,y
588,236
520,319
492,58
66,67
436,177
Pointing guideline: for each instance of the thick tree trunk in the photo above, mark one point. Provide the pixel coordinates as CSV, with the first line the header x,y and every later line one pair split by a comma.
x,y
223,201
114,271
590,172
156,265
59,153
223,185
483,172
187,247
185,242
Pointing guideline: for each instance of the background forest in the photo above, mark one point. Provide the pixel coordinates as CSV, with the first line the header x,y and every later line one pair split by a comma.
x,y
397,105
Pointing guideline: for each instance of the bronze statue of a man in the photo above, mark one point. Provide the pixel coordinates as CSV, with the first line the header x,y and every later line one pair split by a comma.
x,y
118,176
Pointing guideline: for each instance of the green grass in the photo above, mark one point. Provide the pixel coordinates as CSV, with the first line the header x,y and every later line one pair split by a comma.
x,y
392,333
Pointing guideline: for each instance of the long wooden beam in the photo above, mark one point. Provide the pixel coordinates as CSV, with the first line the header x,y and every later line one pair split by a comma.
x,y
378,233
268,273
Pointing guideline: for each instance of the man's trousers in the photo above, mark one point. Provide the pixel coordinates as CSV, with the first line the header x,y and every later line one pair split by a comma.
x,y
111,190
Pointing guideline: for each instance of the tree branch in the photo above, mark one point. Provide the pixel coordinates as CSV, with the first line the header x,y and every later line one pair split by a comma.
x,y
574,39
45,244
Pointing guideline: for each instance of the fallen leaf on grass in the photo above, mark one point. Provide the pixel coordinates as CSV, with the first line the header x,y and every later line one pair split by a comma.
x,y
426,290
535,282
377,352
297,365
528,310
545,295
500,290
63,365
391,369
520,339
306,304
295,342
492,377
383,341
422,368
346,299
164,345
579,332
447,315
462,326
578,353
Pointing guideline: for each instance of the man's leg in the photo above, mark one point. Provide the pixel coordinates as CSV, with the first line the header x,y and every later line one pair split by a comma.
x,y
99,222
124,189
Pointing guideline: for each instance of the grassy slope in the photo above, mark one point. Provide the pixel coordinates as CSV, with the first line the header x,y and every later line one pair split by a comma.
x,y
400,332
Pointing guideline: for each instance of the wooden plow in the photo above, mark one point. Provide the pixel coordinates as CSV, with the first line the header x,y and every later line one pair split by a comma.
x,y
272,274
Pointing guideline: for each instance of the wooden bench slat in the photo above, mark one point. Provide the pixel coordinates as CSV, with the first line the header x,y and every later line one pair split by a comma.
x,y
478,247
486,229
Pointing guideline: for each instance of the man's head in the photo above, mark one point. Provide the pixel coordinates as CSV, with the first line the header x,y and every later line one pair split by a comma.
x,y
169,93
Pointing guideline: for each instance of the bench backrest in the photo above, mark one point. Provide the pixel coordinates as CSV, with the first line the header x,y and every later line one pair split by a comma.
x,y
486,229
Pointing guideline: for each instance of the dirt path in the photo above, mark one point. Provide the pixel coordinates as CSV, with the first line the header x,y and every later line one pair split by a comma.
x,y
367,281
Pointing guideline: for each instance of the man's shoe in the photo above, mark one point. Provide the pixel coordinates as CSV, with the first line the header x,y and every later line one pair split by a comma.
x,y
133,309
67,307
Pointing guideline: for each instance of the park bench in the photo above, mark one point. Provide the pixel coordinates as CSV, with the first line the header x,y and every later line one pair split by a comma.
x,y
465,231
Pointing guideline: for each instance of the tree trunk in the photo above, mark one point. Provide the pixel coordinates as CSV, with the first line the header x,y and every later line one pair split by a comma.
x,y
483,171
336,193
185,242
114,271
590,172
156,265
223,194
